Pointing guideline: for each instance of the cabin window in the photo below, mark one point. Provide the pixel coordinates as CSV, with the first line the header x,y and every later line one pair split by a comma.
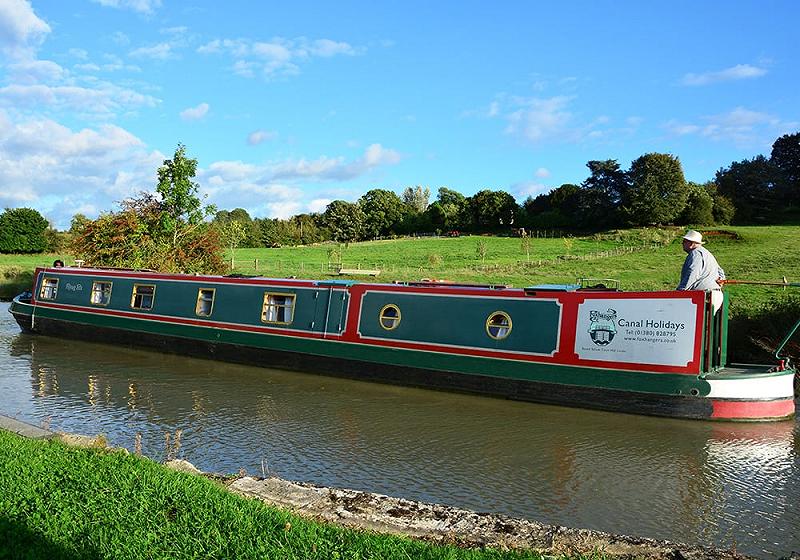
x,y
278,308
498,325
205,302
101,293
143,296
49,288
389,317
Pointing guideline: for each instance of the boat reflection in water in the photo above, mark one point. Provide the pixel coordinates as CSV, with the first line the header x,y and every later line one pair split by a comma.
x,y
698,482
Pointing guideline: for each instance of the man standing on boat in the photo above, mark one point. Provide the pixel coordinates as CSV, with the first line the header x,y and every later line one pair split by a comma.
x,y
701,271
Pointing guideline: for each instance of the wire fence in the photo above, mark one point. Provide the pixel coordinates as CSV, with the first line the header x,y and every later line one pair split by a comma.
x,y
278,267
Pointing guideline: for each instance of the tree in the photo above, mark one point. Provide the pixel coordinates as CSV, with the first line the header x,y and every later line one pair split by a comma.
x,y
232,233
492,209
416,198
23,230
309,230
345,220
785,157
556,209
250,229
383,212
448,211
598,201
657,191
752,186
163,231
181,207
134,237
699,206
77,223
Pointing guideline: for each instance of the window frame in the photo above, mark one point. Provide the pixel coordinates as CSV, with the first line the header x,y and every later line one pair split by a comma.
x,y
152,296
395,320
508,327
265,304
53,288
91,294
199,296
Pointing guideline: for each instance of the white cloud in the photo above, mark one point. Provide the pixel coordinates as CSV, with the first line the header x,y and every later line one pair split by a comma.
x,y
378,155
195,113
523,190
318,205
743,127
59,171
102,101
177,30
35,71
120,38
140,6
738,72
335,169
21,30
80,54
540,119
278,189
277,57
542,172
161,51
283,210
327,48
259,136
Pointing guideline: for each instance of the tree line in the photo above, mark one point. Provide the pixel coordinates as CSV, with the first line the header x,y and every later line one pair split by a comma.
x,y
653,191
172,229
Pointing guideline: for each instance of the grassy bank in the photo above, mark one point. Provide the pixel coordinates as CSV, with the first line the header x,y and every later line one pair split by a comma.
x,y
63,502
16,271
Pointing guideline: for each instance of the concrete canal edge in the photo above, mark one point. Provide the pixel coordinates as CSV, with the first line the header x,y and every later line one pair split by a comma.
x,y
431,522
449,525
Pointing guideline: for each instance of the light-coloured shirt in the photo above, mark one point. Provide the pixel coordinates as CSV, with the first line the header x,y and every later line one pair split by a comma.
x,y
700,271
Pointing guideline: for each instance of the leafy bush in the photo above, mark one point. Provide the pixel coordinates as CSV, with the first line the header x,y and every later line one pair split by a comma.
x,y
22,230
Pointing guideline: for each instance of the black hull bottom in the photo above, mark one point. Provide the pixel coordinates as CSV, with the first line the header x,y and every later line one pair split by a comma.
x,y
23,320
532,391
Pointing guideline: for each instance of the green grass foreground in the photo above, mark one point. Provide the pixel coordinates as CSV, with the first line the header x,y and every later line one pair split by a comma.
x,y
64,502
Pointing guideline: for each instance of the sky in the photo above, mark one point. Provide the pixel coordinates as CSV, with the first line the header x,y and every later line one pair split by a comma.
x,y
290,105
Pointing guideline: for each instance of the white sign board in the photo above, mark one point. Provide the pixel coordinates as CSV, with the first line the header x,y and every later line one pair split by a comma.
x,y
640,331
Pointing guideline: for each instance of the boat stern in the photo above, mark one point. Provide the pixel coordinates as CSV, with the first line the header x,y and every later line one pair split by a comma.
x,y
752,393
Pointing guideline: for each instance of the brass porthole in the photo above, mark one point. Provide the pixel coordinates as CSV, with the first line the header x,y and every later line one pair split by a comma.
x,y
498,325
389,317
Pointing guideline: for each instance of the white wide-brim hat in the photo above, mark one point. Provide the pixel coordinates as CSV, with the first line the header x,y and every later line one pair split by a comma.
x,y
694,237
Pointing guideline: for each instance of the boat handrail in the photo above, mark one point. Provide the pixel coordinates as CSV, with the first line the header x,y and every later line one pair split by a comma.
x,y
785,341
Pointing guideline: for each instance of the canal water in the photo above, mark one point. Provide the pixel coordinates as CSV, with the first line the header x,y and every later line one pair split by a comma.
x,y
702,483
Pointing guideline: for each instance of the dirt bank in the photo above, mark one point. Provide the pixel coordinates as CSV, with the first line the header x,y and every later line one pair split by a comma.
x,y
444,524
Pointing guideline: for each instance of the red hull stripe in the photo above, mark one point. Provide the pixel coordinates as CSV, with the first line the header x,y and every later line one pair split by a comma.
x,y
743,410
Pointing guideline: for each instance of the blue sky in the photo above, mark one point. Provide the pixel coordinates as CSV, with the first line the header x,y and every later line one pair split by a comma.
x,y
288,106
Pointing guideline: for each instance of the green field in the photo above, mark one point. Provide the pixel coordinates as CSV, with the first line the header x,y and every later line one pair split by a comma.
x,y
640,259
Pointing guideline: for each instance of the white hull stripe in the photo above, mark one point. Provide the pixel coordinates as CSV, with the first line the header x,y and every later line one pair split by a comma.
x,y
778,387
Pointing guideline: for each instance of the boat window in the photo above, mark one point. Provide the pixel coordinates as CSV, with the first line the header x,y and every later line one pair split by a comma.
x,y
205,302
389,317
143,296
101,293
49,288
278,308
498,325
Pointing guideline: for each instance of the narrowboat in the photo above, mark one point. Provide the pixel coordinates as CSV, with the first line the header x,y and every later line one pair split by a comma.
x,y
657,353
